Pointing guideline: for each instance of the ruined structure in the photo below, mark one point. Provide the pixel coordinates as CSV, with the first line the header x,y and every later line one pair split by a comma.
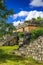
x,y
34,49
26,27
9,40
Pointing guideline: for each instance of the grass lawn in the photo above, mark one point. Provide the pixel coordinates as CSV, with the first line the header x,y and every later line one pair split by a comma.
x,y
7,59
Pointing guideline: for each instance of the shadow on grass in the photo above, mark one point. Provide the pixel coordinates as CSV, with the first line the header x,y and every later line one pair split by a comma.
x,y
4,57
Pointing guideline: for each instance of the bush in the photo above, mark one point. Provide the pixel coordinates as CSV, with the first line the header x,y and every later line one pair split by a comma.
x,y
20,34
36,33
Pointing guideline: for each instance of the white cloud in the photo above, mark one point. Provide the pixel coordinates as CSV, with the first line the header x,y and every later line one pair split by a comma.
x,y
20,14
36,3
29,15
34,14
15,23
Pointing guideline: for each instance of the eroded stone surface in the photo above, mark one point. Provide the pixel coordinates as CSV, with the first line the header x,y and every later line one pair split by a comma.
x,y
34,49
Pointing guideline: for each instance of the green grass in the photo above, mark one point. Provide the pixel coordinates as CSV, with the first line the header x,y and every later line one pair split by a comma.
x,y
6,58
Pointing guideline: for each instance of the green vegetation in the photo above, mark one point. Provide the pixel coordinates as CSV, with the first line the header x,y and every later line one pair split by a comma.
x,y
36,33
5,28
4,12
20,34
6,58
39,19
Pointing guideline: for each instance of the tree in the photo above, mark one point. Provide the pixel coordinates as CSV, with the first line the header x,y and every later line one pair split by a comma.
x,y
4,13
39,19
33,20
10,28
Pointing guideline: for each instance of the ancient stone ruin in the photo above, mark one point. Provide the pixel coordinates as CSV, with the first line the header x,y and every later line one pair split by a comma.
x,y
34,49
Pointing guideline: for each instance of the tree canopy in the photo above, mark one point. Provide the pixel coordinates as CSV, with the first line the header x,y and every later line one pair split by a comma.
x,y
5,27
4,12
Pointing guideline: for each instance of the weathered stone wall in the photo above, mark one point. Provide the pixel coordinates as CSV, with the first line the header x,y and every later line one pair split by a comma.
x,y
34,49
9,40
24,39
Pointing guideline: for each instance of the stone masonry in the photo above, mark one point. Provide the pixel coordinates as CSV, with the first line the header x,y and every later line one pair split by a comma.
x,y
34,49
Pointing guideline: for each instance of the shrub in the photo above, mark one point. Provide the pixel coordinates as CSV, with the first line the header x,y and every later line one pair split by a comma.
x,y
36,33
20,34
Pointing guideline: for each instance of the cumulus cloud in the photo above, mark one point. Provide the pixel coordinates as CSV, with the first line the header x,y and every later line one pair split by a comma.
x,y
34,14
20,14
36,3
29,16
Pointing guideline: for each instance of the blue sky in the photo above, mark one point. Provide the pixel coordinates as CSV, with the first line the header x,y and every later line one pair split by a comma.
x,y
24,8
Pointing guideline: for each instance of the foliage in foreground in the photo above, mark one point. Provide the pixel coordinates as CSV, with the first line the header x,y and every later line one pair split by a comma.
x,y
4,15
6,58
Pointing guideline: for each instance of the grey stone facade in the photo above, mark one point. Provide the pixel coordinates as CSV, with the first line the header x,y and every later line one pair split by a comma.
x,y
34,49
9,40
